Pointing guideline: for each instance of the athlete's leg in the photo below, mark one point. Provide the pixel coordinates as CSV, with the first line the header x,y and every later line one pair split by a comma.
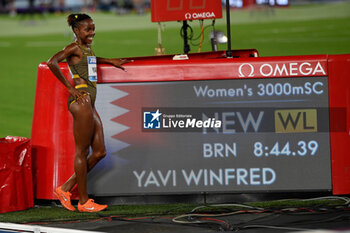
x,y
98,150
98,143
83,129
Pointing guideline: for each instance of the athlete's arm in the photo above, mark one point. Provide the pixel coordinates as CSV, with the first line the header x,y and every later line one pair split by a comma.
x,y
113,61
52,63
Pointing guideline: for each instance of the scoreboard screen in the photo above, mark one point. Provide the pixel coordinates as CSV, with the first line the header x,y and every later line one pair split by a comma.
x,y
180,10
247,134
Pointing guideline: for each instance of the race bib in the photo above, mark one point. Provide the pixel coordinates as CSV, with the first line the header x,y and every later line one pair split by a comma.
x,y
92,68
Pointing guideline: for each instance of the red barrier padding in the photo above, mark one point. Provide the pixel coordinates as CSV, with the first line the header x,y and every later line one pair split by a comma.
x,y
339,98
52,134
16,180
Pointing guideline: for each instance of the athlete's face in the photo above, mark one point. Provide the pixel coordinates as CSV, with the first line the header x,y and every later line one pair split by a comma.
x,y
86,31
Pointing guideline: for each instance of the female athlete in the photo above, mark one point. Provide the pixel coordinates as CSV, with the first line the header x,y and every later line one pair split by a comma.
x,y
87,125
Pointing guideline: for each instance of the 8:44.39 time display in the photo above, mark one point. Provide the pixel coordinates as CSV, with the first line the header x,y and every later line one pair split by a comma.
x,y
299,148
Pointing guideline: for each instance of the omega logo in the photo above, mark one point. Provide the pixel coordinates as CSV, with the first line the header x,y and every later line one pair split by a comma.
x,y
199,15
250,73
284,69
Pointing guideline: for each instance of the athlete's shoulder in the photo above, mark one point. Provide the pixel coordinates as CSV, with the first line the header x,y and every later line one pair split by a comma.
x,y
72,49
71,46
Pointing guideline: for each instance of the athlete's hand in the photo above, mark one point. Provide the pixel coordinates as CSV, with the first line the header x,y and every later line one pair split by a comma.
x,y
120,62
78,95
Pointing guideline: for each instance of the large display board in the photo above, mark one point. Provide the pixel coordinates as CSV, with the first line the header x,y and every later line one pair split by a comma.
x,y
215,135
273,133
180,10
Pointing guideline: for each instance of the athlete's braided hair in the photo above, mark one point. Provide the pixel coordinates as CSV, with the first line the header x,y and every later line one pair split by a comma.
x,y
74,19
